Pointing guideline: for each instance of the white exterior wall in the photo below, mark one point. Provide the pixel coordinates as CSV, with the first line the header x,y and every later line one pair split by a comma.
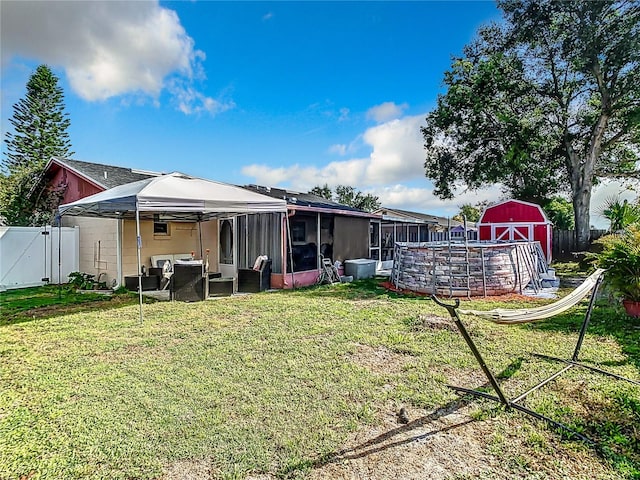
x,y
98,247
27,257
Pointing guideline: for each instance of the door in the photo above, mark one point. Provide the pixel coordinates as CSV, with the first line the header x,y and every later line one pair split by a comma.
x,y
227,254
517,233
374,240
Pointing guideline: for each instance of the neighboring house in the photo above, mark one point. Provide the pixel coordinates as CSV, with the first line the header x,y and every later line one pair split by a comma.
x,y
319,228
80,179
405,226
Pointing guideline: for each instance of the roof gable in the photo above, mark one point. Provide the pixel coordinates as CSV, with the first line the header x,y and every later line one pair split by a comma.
x,y
103,176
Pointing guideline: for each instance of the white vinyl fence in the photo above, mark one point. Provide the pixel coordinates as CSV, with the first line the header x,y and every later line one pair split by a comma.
x,y
29,256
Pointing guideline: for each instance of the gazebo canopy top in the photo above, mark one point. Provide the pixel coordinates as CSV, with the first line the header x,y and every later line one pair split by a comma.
x,y
175,196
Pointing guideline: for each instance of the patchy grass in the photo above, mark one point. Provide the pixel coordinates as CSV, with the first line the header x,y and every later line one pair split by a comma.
x,y
40,302
568,269
279,384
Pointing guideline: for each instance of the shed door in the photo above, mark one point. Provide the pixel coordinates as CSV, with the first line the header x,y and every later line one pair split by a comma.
x,y
512,233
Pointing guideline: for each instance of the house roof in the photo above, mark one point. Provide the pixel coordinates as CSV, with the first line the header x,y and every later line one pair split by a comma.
x,y
398,215
175,196
309,201
104,176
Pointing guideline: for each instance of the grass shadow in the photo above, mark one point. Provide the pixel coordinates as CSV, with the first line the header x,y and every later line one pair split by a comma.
x,y
29,304
385,441
606,321
358,289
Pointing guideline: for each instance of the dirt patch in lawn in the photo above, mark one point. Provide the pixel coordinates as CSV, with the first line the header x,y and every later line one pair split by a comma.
x,y
450,442
379,360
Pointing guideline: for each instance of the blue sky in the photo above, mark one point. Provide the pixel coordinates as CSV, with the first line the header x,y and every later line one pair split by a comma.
x,y
290,94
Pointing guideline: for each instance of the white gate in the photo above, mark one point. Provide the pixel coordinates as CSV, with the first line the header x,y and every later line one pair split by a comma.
x,y
29,256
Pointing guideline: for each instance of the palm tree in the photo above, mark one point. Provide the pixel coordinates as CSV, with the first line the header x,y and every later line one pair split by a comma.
x,y
620,214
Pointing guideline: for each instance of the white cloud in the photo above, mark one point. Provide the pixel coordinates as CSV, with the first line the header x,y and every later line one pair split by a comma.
x,y
304,178
190,101
396,156
386,111
423,200
397,151
106,48
396,159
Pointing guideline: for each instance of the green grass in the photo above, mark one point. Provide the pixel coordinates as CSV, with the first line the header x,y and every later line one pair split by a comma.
x,y
267,383
568,269
37,302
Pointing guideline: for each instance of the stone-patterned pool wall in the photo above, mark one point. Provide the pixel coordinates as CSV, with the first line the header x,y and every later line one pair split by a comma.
x,y
440,268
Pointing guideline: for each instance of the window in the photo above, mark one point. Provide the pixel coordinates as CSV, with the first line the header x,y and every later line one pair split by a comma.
x,y
298,232
160,228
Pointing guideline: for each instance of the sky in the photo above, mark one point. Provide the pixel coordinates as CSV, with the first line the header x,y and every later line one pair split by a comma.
x,y
286,94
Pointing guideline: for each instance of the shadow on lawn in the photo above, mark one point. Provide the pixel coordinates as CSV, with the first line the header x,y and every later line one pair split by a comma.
x,y
358,289
36,303
396,437
618,424
606,321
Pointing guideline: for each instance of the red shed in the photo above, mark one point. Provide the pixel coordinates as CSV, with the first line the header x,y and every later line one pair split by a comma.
x,y
515,220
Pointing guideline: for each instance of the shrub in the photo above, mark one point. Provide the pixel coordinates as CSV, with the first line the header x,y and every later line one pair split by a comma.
x,y
620,255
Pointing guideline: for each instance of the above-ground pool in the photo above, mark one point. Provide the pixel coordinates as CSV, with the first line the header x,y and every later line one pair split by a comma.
x,y
456,269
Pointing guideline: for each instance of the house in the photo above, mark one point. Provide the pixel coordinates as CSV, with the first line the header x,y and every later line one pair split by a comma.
x,y
319,228
79,179
314,226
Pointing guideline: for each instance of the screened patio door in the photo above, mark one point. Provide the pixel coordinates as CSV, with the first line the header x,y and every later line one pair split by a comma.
x,y
227,254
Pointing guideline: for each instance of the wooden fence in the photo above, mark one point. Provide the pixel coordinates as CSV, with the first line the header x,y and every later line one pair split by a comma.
x,y
564,242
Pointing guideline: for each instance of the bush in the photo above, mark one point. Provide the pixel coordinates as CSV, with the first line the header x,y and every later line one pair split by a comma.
x,y
620,255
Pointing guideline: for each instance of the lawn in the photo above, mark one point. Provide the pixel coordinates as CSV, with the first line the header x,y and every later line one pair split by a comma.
x,y
286,384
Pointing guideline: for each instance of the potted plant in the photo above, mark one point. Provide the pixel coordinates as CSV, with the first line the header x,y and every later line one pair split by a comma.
x,y
620,255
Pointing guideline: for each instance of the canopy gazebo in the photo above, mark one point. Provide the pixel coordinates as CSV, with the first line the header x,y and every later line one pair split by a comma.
x,y
175,197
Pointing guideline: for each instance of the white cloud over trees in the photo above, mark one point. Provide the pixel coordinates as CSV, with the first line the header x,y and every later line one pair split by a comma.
x,y
396,159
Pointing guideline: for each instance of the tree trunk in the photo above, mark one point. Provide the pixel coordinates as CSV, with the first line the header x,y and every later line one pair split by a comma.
x,y
581,184
581,200
581,171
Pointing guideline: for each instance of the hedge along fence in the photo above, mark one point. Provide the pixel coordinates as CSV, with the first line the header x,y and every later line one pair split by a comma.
x,y
564,242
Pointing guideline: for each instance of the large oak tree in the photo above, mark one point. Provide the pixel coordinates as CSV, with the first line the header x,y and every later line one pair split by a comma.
x,y
546,102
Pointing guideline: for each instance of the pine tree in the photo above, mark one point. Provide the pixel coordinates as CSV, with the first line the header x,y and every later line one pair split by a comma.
x,y
40,132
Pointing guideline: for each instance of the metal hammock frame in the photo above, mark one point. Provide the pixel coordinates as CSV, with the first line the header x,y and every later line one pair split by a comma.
x,y
525,316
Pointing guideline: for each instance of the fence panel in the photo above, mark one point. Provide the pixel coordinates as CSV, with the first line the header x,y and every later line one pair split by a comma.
x,y
564,242
29,256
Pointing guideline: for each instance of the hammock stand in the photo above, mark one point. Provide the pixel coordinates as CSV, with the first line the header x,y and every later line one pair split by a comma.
x,y
524,316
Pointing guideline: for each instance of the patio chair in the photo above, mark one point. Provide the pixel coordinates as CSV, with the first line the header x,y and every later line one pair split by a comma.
x,y
256,279
328,272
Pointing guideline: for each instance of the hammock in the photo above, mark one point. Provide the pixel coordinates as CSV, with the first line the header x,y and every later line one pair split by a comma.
x,y
526,315
501,315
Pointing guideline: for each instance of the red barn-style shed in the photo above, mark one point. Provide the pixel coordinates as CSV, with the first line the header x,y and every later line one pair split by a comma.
x,y
515,220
